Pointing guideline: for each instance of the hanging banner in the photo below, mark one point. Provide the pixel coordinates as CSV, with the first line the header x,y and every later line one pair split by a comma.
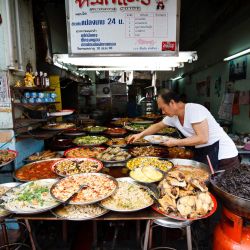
x,y
122,27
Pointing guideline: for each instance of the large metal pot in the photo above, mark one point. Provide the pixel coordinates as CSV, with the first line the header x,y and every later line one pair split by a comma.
x,y
192,163
238,205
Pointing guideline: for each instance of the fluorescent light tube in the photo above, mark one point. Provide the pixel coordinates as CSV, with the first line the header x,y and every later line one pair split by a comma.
x,y
176,78
244,52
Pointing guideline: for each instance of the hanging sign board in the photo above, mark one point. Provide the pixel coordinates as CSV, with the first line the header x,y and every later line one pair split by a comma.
x,y
122,27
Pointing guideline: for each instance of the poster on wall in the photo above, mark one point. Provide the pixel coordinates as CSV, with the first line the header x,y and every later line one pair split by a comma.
x,y
203,87
127,27
5,103
238,69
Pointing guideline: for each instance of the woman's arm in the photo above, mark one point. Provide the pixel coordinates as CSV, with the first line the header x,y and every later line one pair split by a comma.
x,y
149,131
200,137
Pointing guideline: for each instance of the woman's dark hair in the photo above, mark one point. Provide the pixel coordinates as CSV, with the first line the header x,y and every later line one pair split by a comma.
x,y
168,95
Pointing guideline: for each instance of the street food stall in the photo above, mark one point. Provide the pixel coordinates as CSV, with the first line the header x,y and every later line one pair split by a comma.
x,y
66,125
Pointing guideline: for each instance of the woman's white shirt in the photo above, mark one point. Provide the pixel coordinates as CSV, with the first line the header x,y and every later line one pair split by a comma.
x,y
196,113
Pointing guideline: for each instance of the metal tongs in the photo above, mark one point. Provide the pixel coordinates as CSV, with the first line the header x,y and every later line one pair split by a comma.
x,y
75,193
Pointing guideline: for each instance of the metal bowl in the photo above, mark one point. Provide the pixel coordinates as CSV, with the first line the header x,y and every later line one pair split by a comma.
x,y
30,211
54,166
238,205
86,202
8,162
3,212
77,219
151,188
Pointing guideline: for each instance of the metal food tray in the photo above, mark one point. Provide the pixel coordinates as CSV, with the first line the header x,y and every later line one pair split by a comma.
x,y
158,158
58,129
185,162
151,188
10,185
86,202
37,162
34,211
77,219
8,162
77,160
115,162
238,205
58,155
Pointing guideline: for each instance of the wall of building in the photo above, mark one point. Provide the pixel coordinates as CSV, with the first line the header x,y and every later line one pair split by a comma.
x,y
24,147
227,41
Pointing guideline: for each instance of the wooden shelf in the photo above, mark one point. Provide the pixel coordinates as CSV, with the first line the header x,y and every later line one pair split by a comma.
x,y
33,104
29,120
33,88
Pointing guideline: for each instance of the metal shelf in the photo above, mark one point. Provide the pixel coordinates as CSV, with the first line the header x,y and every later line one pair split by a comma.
x,y
33,104
33,88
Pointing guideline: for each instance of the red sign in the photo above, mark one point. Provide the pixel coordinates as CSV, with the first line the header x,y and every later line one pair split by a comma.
x,y
168,46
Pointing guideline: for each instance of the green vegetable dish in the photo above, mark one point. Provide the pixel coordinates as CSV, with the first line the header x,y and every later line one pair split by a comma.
x,y
30,197
95,129
90,140
136,127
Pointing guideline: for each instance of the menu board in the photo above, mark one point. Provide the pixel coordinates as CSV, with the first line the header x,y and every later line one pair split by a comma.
x,y
124,27
5,103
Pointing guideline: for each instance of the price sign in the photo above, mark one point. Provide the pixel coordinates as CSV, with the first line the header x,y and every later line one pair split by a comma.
x,y
122,27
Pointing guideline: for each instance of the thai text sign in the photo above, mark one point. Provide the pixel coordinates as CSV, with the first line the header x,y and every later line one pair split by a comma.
x,y
122,26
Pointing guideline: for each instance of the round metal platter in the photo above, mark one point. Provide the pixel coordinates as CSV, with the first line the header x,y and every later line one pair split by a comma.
x,y
89,144
35,162
102,130
62,112
151,188
8,162
31,211
87,202
114,162
55,128
76,160
77,219
143,122
153,157
3,212
72,149
195,164
150,138
150,182
211,212
238,205
58,155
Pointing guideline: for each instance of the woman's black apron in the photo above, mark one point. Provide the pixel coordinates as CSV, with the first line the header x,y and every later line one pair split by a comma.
x,y
200,154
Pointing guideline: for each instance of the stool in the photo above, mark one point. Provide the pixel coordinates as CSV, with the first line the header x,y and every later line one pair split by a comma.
x,y
169,223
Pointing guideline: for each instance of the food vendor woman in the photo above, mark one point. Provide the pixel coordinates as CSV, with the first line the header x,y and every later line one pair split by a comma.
x,y
199,127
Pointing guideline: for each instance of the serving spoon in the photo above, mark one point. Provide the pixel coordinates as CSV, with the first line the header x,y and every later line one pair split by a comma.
x,y
75,193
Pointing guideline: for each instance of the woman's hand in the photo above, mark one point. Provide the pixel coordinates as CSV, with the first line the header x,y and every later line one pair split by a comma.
x,y
171,143
134,138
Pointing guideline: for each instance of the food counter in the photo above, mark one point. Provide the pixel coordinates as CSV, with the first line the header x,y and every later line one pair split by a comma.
x,y
82,183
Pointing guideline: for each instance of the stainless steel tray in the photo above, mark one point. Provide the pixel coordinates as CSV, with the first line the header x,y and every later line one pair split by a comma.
x,y
77,219
151,188
87,202
8,162
114,162
192,163
36,162
30,211
3,212
54,169
234,203
154,157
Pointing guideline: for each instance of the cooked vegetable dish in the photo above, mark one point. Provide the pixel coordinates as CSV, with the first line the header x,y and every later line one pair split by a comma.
x,y
114,154
83,152
90,140
77,166
128,196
